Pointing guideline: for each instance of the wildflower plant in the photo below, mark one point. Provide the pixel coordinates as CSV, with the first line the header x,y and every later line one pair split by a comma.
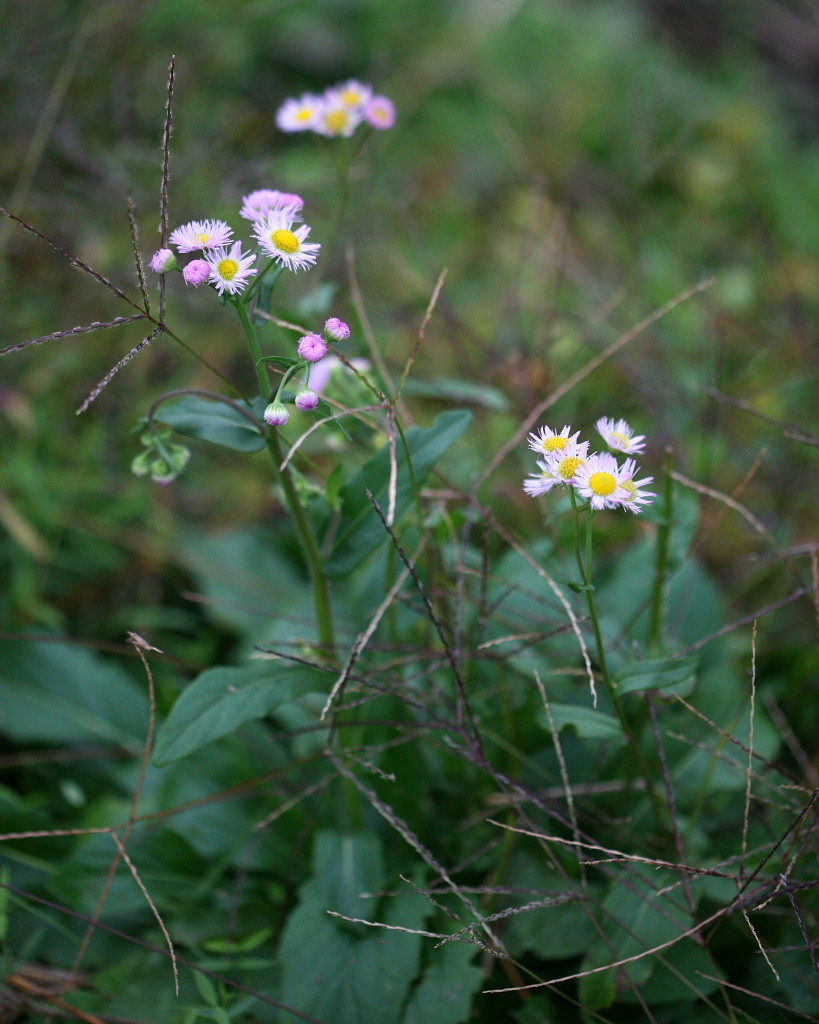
x,y
404,805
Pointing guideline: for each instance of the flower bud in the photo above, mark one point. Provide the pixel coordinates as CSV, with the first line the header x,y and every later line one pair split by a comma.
x,y
276,414
163,260
196,272
312,347
337,329
306,399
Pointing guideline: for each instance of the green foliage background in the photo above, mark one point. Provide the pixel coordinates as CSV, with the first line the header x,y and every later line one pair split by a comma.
x,y
574,166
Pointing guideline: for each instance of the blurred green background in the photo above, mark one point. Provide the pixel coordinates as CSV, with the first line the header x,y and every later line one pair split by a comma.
x,y
574,165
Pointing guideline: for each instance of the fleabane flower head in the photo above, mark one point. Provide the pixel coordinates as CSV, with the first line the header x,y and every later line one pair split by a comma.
x,y
545,441
619,436
565,464
337,118
352,94
380,113
201,234
285,243
635,488
602,481
263,200
300,115
230,270
541,483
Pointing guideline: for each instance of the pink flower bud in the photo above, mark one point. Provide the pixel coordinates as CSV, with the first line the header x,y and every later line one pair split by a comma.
x,y
337,329
163,260
196,272
306,400
312,347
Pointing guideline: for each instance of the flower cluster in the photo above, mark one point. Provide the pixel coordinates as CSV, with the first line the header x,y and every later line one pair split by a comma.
x,y
312,348
339,110
220,261
598,478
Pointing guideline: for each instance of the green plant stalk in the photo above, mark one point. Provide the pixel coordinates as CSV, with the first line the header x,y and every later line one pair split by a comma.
x,y
658,592
309,545
584,566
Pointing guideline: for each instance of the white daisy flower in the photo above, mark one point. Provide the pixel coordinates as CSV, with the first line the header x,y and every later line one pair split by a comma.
x,y
283,242
545,441
300,115
201,234
263,200
566,463
542,482
352,94
602,481
619,436
639,496
230,271
337,117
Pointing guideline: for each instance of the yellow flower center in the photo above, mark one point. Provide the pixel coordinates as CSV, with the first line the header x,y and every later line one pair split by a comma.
x,y
305,114
227,269
554,444
568,466
622,439
337,120
351,97
629,486
203,238
285,241
602,483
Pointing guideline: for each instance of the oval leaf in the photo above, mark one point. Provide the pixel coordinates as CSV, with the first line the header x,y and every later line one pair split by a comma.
x,y
221,699
658,674
213,421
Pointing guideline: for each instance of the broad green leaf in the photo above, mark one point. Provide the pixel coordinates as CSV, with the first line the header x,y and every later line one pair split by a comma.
x,y
341,972
586,722
214,421
55,693
221,699
658,674
445,991
359,531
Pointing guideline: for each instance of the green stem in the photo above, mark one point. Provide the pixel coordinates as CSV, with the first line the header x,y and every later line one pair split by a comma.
x,y
631,734
309,545
661,565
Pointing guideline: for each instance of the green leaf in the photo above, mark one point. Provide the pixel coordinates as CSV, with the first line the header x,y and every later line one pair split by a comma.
x,y
221,699
337,971
359,532
214,421
444,994
54,693
658,674
588,723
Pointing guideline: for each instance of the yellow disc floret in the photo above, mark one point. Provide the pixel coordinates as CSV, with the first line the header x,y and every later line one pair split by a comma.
x,y
285,241
554,444
569,466
228,269
337,121
603,483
